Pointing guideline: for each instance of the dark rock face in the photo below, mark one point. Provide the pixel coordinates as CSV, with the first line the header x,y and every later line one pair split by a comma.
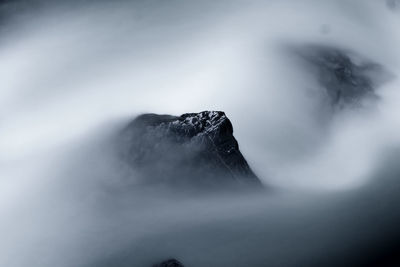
x,y
192,149
169,263
347,78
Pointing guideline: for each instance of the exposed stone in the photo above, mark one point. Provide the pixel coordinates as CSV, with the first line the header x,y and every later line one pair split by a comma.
x,y
192,149
347,78
169,263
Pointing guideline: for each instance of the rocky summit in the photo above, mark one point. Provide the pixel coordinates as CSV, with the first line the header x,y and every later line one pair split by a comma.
x,y
196,149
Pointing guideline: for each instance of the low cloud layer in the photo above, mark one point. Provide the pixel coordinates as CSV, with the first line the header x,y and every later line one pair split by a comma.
x,y
74,74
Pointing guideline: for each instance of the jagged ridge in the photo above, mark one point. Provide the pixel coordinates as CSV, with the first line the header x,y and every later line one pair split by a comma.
x,y
194,148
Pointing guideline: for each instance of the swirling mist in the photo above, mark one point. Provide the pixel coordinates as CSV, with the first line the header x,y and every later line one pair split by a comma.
x,y
74,73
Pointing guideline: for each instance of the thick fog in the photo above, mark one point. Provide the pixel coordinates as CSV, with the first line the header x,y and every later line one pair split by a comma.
x,y
73,74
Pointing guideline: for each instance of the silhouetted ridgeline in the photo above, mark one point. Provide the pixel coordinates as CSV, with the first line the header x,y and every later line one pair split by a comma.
x,y
195,149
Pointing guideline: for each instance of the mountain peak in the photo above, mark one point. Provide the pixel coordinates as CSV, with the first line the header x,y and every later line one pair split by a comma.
x,y
192,149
